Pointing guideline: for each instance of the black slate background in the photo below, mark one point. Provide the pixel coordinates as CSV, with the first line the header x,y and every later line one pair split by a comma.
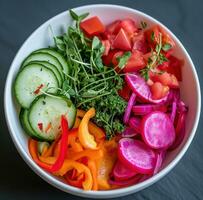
x,y
19,18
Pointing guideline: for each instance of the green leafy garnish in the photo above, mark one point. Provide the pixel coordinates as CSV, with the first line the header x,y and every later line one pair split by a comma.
x,y
166,47
90,83
152,36
122,60
156,58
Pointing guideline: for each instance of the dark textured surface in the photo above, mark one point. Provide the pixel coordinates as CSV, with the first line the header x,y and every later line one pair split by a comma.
x,y
19,18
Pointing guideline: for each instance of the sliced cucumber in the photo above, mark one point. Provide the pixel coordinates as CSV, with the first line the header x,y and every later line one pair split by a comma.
x,y
53,68
44,57
60,58
46,110
30,79
26,124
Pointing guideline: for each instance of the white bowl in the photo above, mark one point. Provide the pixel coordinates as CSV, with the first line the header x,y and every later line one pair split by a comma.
x,y
190,93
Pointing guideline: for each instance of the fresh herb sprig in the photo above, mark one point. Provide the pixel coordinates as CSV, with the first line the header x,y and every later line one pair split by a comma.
x,y
90,83
157,57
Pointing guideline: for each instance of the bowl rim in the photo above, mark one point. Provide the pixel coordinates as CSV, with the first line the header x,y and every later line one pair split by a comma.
x,y
108,193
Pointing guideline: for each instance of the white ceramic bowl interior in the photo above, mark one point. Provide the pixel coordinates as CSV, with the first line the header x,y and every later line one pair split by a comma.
x,y
190,93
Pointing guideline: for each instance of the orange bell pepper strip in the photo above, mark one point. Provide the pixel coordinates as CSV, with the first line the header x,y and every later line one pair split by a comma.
x,y
106,163
32,146
96,131
51,148
76,146
76,182
80,113
69,165
86,139
77,122
93,168
92,154
81,168
63,149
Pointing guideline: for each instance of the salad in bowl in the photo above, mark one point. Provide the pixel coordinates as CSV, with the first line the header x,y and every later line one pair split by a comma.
x,y
102,107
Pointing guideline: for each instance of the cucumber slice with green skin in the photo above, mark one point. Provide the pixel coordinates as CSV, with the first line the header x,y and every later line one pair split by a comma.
x,y
44,57
46,112
53,68
26,124
30,80
60,58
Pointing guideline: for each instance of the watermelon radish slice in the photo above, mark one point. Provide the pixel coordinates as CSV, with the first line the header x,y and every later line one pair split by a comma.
x,y
128,109
125,183
180,131
129,132
136,155
121,172
160,157
139,86
135,123
146,109
157,130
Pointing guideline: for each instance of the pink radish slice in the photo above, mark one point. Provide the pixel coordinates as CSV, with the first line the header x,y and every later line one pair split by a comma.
x,y
135,123
131,102
173,112
146,109
121,172
139,86
159,161
180,131
157,130
128,182
129,132
136,155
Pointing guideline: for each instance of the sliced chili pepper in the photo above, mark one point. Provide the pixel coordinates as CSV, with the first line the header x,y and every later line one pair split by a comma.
x,y
38,89
40,126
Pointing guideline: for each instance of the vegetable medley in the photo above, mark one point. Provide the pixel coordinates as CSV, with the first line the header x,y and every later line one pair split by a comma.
x,y
102,107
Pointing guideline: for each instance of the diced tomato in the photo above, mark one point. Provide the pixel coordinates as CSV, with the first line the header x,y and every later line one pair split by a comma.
x,y
153,34
115,57
122,41
166,38
165,79
113,28
107,47
135,63
129,26
150,82
92,26
163,66
107,60
147,56
139,43
125,92
158,90
174,82
175,66
165,91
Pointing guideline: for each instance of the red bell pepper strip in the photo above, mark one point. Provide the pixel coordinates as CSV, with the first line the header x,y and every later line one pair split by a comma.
x,y
62,153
